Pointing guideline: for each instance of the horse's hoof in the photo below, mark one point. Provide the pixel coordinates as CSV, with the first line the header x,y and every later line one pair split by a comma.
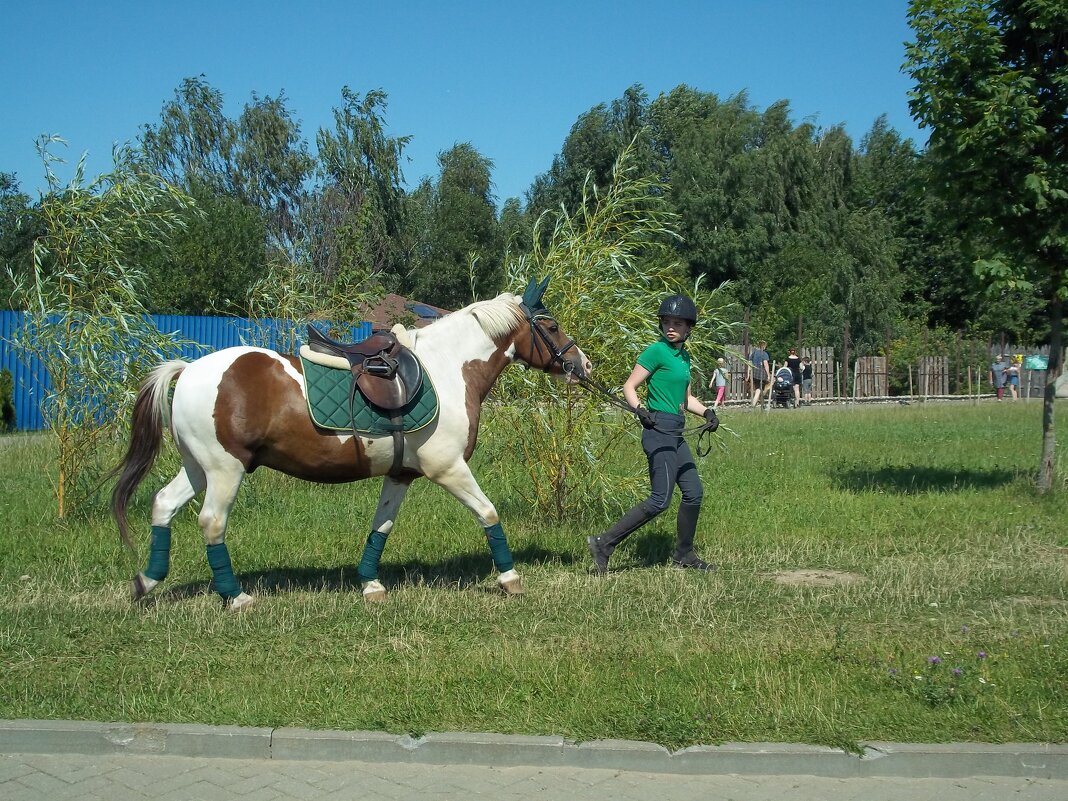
x,y
141,586
241,602
510,582
373,591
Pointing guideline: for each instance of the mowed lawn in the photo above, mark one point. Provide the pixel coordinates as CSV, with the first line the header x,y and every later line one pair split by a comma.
x,y
886,573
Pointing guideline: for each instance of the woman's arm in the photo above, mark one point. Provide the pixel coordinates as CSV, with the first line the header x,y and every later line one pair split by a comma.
x,y
630,386
693,405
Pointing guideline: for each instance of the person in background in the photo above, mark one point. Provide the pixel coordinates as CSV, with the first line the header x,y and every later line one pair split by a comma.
x,y
997,376
719,382
1012,377
793,361
806,380
665,367
759,370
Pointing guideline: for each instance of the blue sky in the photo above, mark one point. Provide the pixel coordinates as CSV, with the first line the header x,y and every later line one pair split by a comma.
x,y
510,78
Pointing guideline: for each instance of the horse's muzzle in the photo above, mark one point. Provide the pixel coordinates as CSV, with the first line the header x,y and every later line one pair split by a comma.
x,y
575,370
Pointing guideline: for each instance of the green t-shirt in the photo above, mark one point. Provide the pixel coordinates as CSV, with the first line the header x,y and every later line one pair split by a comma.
x,y
669,376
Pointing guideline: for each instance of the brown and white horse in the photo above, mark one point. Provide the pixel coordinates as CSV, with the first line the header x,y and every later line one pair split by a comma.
x,y
242,408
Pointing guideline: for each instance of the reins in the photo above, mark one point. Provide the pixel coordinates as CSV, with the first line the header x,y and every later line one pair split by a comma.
x,y
704,430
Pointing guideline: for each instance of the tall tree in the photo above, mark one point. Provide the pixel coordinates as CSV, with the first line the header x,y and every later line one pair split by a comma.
x,y
355,227
464,251
590,151
194,143
259,159
272,165
992,85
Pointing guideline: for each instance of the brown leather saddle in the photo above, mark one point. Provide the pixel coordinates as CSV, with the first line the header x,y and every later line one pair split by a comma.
x,y
387,375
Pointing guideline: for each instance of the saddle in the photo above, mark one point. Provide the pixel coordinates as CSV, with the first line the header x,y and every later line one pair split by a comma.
x,y
385,372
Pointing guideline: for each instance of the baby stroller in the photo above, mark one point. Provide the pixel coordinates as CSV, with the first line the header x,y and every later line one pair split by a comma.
x,y
782,390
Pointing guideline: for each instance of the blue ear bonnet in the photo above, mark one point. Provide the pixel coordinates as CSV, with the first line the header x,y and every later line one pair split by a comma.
x,y
533,294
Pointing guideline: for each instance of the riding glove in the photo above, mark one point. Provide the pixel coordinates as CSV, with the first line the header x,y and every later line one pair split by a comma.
x,y
645,417
713,421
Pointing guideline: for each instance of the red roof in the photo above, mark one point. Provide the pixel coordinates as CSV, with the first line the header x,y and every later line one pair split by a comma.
x,y
393,309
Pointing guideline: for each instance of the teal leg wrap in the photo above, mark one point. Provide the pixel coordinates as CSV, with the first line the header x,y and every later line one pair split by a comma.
x,y
499,550
372,552
222,571
159,553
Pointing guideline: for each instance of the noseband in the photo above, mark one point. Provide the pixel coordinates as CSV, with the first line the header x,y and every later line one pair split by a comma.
x,y
539,337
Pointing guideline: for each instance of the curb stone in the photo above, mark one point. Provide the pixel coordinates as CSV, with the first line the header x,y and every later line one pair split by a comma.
x,y
906,760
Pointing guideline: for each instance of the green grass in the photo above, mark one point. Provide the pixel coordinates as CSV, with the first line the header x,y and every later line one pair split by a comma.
x,y
932,508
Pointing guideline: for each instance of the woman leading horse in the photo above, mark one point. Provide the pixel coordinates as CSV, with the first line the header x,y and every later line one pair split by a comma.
x,y
242,408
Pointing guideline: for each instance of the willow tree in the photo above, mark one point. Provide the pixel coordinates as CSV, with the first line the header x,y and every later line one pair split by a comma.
x,y
85,318
992,85
610,263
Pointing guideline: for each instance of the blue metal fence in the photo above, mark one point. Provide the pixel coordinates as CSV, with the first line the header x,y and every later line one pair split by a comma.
x,y
201,335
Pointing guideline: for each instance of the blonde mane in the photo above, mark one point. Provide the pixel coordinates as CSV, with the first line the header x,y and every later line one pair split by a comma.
x,y
497,317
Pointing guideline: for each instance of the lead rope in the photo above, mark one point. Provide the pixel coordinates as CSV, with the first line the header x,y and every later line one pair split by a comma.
x,y
704,445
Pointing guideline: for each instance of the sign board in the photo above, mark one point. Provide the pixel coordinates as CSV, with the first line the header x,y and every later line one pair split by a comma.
x,y
1036,363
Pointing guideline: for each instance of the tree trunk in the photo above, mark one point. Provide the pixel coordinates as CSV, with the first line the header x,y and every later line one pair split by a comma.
x,y
1053,372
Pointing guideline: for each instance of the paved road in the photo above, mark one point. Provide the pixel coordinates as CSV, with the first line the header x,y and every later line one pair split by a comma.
x,y
125,777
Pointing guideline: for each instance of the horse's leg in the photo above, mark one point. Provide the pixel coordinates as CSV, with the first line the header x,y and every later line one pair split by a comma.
x,y
393,492
459,481
223,483
181,489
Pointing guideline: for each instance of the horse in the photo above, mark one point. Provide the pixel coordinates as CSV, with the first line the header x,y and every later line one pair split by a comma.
x,y
241,408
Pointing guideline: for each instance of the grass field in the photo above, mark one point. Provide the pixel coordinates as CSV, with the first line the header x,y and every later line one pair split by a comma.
x,y
933,607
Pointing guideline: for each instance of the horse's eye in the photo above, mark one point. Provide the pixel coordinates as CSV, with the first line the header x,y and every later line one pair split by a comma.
x,y
554,328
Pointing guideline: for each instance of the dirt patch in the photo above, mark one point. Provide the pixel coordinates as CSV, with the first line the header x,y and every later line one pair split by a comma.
x,y
815,578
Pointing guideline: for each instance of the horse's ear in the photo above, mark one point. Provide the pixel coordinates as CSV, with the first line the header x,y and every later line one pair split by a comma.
x,y
532,294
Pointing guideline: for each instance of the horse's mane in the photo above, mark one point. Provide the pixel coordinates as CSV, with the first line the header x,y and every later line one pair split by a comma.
x,y
497,317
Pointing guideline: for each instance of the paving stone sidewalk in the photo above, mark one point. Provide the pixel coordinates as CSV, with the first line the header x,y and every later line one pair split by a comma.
x,y
57,760
129,777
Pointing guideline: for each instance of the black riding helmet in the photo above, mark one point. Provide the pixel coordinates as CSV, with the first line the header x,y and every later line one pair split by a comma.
x,y
678,306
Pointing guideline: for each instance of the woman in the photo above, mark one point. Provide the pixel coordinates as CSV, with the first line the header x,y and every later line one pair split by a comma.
x,y
665,365
793,361
806,380
1013,376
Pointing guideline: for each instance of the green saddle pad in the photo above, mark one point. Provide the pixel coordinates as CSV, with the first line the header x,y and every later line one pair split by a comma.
x,y
328,403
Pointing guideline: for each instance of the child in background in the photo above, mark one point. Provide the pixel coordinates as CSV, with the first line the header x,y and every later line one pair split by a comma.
x,y
719,381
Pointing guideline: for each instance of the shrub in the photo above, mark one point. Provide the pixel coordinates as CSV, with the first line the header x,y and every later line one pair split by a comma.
x,y
7,402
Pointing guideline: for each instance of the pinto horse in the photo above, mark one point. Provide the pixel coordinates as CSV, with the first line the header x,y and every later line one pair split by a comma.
x,y
242,408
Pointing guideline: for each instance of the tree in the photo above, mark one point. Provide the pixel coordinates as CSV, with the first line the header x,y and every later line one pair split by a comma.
x,y
16,234
210,261
461,257
85,318
354,228
259,159
609,263
590,151
992,85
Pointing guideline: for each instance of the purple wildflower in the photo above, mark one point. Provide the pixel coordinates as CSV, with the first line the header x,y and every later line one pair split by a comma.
x,y
934,660
957,672
963,629
981,654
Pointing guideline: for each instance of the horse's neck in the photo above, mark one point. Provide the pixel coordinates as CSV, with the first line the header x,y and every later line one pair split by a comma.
x,y
458,344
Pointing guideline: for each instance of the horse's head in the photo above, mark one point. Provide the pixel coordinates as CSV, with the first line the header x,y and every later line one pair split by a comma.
x,y
544,345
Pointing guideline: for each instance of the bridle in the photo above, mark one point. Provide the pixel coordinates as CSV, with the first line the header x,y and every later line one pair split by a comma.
x,y
538,338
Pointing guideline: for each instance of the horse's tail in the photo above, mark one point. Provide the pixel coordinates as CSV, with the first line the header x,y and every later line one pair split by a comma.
x,y
146,432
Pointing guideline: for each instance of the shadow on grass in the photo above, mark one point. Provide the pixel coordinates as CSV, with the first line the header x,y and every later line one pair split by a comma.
x,y
916,479
458,572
